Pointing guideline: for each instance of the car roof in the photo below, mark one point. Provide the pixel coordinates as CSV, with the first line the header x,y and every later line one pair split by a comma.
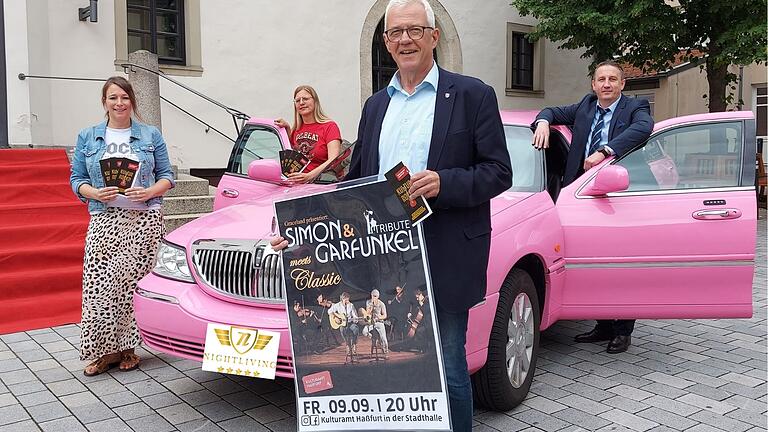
x,y
697,118
524,118
518,117
510,117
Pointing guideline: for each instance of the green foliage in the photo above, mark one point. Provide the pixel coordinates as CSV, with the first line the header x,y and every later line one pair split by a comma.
x,y
649,34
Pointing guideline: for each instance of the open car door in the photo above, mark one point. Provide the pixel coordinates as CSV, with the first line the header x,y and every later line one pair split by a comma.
x,y
259,139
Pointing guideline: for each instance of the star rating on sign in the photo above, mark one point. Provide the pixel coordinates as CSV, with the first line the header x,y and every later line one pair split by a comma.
x,y
238,371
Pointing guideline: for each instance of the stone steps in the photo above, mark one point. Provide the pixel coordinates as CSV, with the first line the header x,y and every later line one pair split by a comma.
x,y
187,185
172,222
191,198
187,204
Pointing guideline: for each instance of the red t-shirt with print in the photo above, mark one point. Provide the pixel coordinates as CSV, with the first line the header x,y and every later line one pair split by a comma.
x,y
312,140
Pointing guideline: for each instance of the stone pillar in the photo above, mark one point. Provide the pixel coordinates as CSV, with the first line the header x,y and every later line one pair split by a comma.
x,y
146,85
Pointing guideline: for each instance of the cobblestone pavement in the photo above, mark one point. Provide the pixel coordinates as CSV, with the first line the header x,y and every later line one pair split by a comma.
x,y
696,375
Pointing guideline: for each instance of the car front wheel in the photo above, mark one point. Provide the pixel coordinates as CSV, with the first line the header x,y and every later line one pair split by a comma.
x,y
504,381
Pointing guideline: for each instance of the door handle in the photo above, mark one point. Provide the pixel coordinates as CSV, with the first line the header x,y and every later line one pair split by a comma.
x,y
230,193
719,214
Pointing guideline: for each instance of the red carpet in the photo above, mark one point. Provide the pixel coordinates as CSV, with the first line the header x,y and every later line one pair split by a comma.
x,y
42,238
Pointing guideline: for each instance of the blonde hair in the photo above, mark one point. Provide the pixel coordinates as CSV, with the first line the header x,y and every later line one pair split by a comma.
x,y
319,115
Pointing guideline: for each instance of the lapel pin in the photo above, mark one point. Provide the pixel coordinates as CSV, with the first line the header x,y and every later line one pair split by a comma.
x,y
447,95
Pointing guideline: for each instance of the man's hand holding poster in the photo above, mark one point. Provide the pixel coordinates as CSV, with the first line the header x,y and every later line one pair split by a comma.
x,y
365,343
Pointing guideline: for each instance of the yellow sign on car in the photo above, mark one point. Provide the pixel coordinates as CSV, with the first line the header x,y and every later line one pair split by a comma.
x,y
241,351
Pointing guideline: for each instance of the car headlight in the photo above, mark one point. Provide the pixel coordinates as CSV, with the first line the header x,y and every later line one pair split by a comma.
x,y
171,263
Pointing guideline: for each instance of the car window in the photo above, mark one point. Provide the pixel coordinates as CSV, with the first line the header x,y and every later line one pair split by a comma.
x,y
687,157
527,163
254,143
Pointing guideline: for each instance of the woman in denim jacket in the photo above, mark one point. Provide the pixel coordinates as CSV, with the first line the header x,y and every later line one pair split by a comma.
x,y
121,169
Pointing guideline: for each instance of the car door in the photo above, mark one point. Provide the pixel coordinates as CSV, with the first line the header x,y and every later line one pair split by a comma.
x,y
680,241
259,139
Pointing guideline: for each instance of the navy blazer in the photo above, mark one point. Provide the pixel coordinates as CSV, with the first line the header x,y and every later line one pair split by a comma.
x,y
468,151
631,125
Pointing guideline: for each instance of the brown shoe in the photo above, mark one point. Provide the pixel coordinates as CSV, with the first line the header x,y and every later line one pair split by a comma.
x,y
101,365
130,361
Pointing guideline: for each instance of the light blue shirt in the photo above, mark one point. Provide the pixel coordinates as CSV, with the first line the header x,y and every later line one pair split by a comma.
x,y
606,126
406,131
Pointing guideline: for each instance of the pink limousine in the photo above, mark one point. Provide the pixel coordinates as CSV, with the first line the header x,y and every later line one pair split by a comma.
x,y
666,231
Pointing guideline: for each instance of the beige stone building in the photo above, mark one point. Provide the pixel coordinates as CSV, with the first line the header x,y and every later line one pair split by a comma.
x,y
679,91
250,55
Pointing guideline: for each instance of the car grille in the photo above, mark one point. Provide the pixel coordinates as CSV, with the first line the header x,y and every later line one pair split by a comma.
x,y
194,350
177,346
243,269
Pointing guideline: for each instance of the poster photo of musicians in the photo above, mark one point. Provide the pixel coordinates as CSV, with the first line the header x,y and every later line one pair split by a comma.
x,y
358,294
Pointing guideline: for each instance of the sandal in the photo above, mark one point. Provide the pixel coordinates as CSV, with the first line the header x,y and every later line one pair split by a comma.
x,y
129,362
101,365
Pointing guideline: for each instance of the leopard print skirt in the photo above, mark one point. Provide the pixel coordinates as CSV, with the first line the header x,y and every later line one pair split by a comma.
x,y
120,249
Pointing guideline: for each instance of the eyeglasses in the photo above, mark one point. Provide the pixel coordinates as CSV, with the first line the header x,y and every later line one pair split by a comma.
x,y
301,99
415,33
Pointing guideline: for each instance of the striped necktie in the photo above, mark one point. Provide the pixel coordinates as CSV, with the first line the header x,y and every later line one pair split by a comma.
x,y
597,132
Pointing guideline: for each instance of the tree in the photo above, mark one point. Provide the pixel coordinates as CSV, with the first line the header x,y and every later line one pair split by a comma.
x,y
651,34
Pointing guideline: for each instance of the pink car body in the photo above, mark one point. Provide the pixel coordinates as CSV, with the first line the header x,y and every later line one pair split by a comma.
x,y
680,245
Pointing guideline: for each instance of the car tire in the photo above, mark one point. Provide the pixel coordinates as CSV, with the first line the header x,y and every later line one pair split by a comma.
x,y
513,347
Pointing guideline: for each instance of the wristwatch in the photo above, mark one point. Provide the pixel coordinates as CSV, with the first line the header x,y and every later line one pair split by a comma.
x,y
604,151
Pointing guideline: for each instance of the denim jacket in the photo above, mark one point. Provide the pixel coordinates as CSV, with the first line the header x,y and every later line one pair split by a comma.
x,y
146,142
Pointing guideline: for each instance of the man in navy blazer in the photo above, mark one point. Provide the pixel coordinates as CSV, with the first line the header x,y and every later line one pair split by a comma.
x,y
604,124
627,124
447,129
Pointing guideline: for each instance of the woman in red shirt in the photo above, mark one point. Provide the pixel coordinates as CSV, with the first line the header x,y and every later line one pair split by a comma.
x,y
313,133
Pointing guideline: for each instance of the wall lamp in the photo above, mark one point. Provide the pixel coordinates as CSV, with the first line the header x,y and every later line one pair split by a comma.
x,y
91,12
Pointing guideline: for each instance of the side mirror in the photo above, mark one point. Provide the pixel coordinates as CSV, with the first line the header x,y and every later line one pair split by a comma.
x,y
267,170
613,178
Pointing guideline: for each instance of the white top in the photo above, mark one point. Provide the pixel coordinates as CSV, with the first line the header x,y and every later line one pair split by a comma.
x,y
118,142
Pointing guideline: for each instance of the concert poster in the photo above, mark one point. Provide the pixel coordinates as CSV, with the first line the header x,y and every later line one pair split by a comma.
x,y
365,342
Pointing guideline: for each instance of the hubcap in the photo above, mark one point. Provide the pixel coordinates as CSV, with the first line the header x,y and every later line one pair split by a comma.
x,y
520,332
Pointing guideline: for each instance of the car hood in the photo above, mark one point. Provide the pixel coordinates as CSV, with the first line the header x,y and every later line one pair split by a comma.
x,y
252,219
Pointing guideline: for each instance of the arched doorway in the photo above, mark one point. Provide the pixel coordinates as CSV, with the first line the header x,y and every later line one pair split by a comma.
x,y
382,64
383,67
374,55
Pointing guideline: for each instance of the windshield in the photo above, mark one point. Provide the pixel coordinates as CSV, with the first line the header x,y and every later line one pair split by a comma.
x,y
527,163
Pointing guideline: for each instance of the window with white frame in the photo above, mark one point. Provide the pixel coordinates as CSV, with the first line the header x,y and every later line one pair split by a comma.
x,y
761,110
525,62
157,26
168,28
